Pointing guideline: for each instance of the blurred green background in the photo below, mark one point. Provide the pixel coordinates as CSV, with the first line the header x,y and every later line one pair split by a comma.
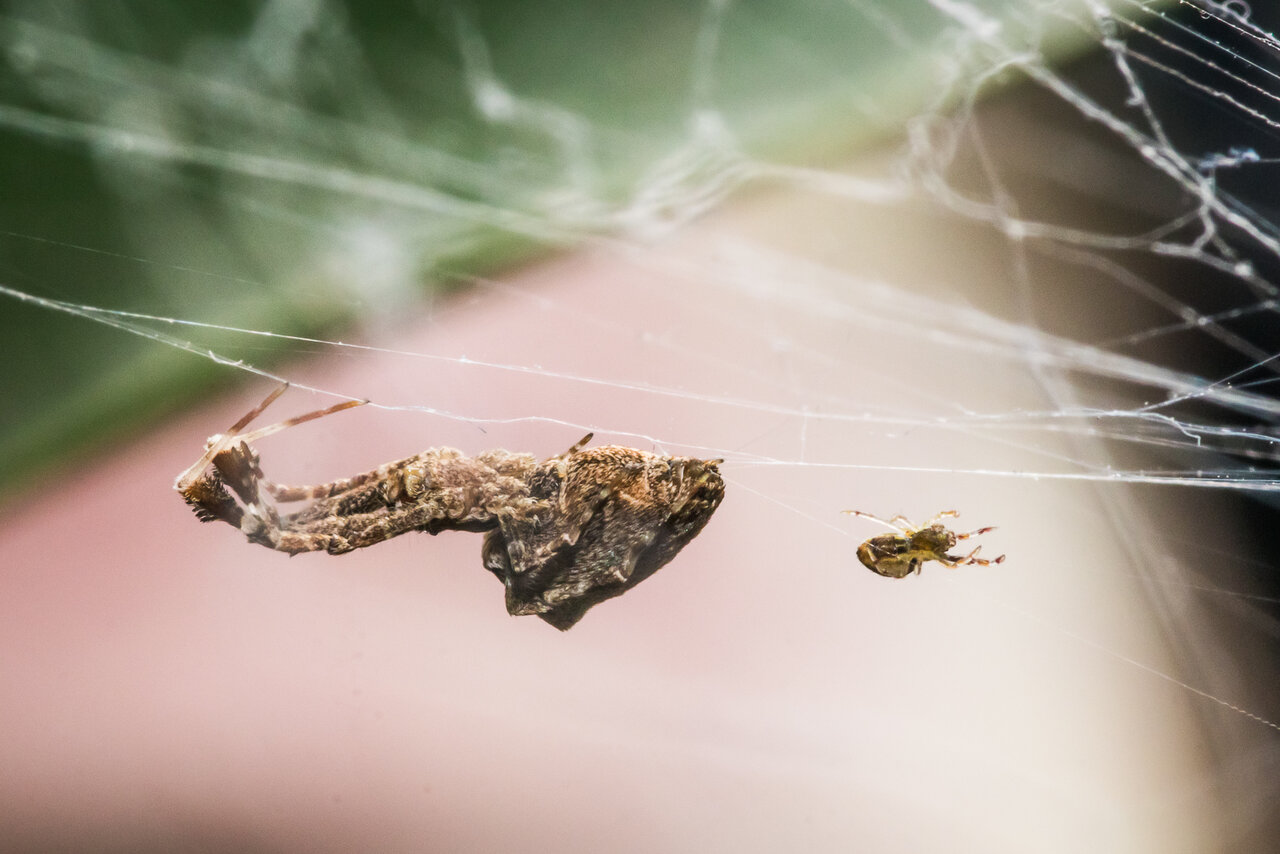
x,y
302,165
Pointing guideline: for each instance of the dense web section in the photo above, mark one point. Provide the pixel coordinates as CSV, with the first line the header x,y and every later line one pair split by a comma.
x,y
1113,157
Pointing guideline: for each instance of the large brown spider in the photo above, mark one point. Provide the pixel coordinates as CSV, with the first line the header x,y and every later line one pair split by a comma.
x,y
563,534
898,555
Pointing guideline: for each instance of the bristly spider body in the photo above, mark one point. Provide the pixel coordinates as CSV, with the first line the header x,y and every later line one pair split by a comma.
x,y
562,535
898,555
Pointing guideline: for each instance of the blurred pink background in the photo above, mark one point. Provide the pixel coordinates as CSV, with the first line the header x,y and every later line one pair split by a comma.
x,y
167,686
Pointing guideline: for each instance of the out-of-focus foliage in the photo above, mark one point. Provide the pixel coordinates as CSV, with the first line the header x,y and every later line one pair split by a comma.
x,y
297,165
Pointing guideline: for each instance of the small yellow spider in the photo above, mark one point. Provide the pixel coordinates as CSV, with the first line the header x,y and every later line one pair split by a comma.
x,y
898,555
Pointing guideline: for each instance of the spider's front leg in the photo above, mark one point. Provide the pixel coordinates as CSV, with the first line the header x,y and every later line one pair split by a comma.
x,y
337,525
975,533
341,534
900,524
226,482
436,490
207,495
235,468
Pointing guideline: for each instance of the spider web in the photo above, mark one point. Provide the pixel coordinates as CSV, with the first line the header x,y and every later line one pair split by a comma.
x,y
1049,299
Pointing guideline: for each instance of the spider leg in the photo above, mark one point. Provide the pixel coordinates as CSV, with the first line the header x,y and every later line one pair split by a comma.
x,y
436,490
391,482
206,491
945,514
332,489
974,533
562,460
230,461
222,441
971,558
358,499
402,481
340,534
578,445
297,419
952,561
892,524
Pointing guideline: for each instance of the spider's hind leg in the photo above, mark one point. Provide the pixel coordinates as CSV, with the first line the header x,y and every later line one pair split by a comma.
x,y
953,561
